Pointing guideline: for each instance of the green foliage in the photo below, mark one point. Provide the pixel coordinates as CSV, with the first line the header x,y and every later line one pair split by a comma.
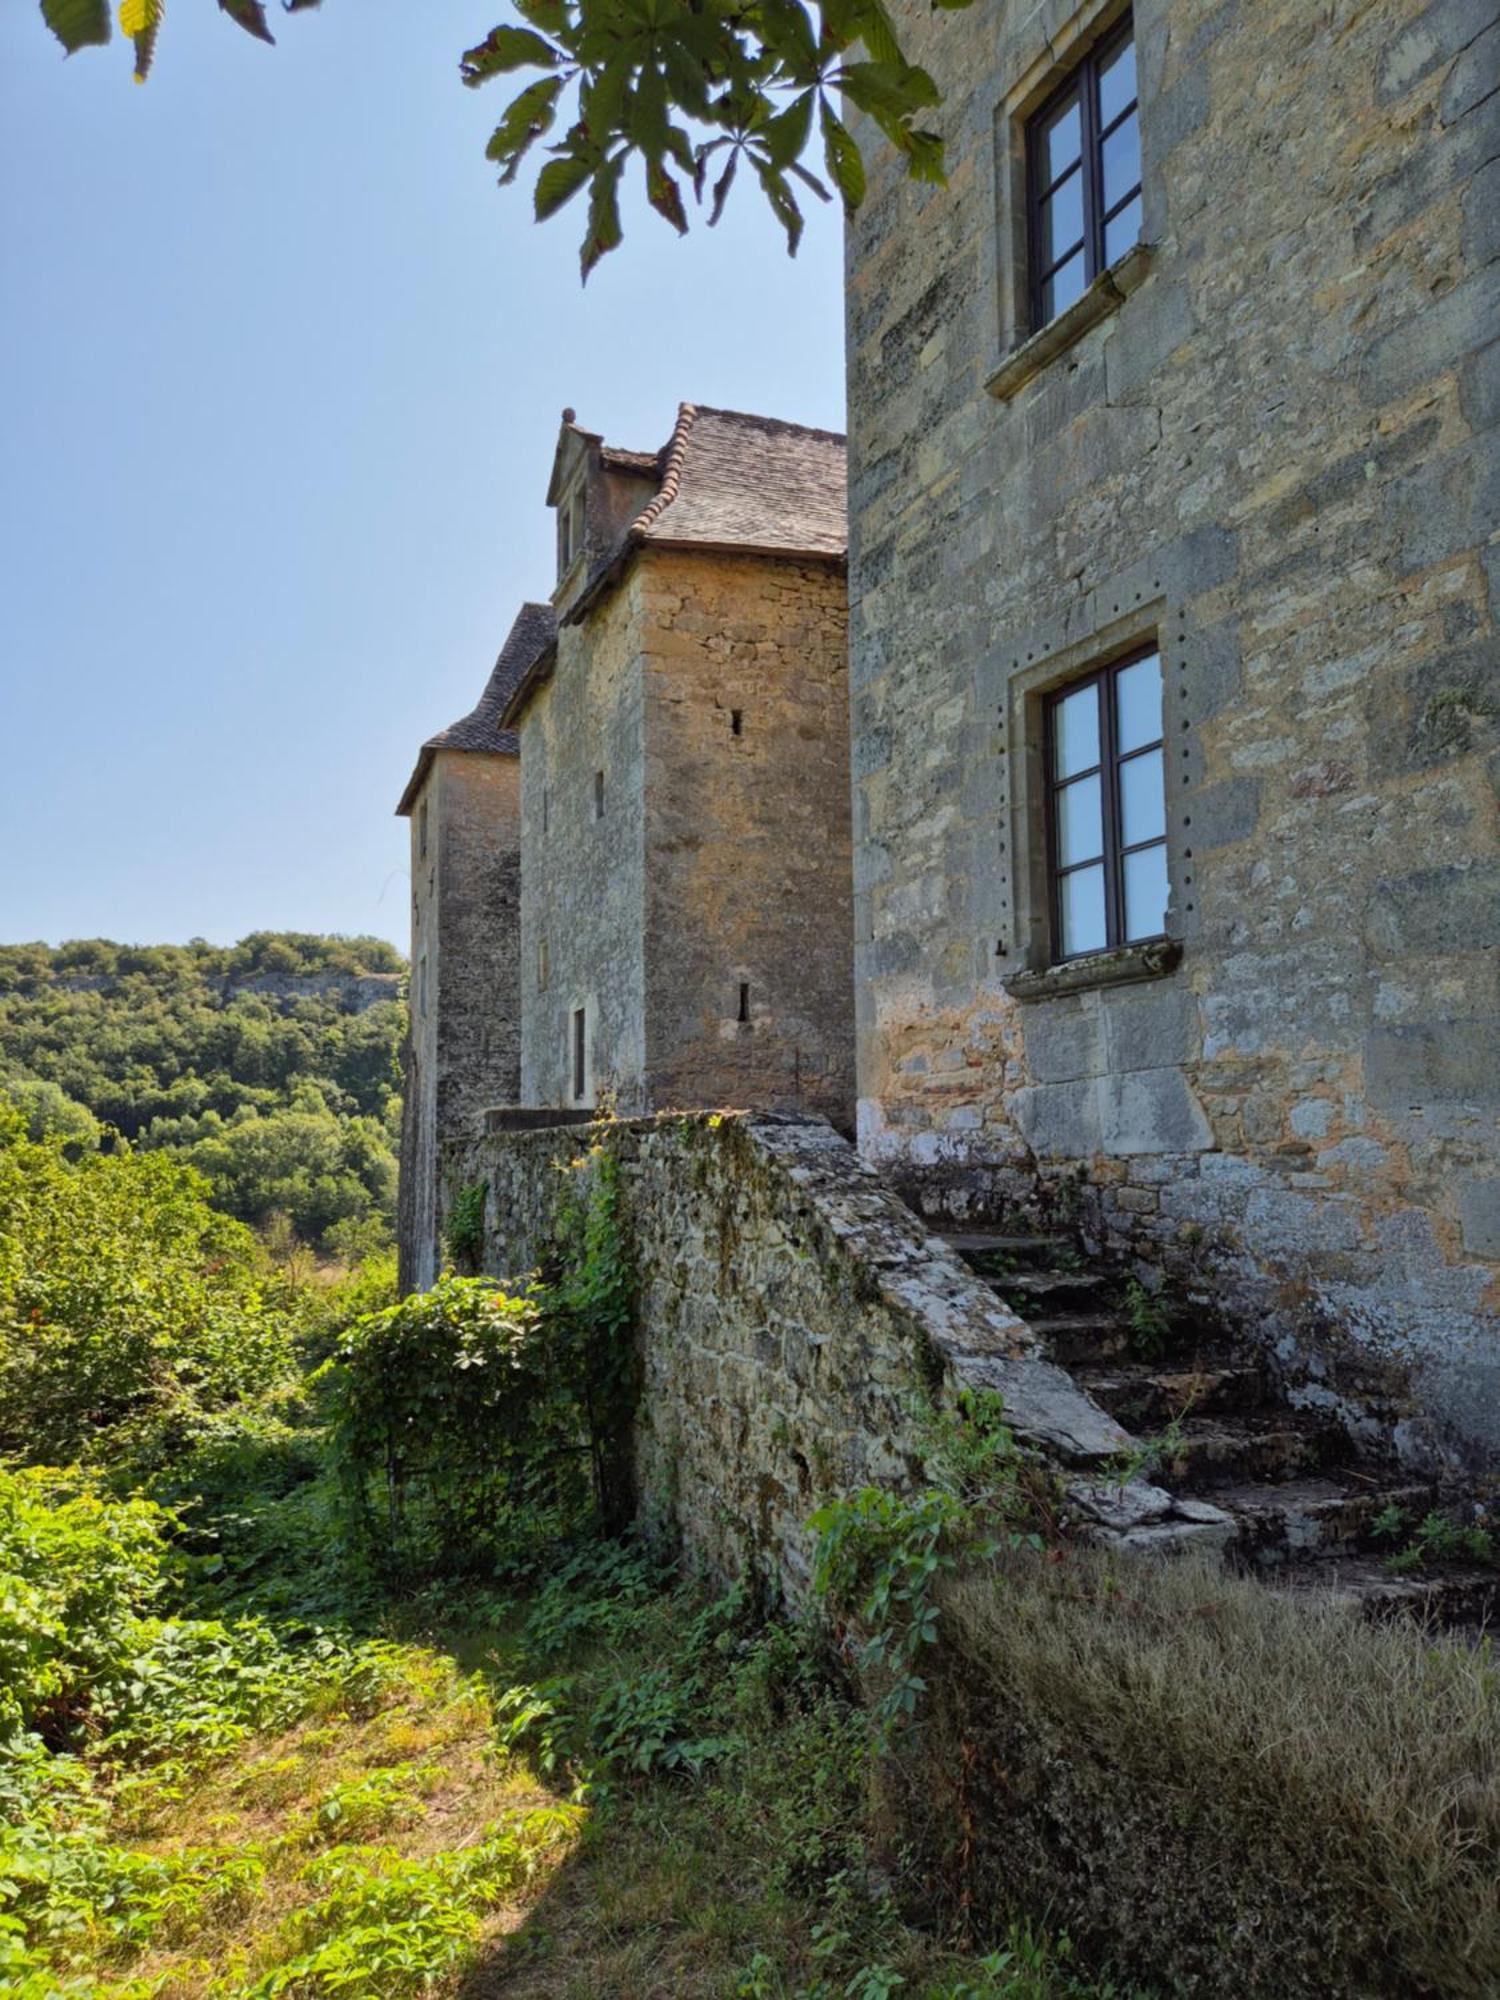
x,y
465,1232
256,1064
1437,1537
881,1555
690,94
127,1303
470,1424
1149,1319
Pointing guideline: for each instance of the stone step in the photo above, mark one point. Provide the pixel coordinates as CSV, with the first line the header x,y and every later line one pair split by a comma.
x,y
987,1249
1144,1395
1450,1595
1266,1448
1023,1289
1301,1518
1079,1339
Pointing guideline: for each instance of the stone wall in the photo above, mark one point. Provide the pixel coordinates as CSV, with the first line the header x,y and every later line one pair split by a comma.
x,y
583,882
463,1052
749,925
796,1323
720,859
1273,454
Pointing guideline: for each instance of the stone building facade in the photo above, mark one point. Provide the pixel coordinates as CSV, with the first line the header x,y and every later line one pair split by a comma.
x,y
686,920
464,1051
1174,585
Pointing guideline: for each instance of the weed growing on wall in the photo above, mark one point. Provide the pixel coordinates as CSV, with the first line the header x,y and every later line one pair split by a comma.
x,y
464,1234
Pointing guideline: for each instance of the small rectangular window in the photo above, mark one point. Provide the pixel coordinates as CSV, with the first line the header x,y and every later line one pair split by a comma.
x,y
546,809
1107,816
543,965
422,984
736,722
571,520
580,1052
1083,154
598,795
744,1013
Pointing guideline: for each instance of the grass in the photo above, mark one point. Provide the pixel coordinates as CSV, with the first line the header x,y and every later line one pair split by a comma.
x,y
1228,1790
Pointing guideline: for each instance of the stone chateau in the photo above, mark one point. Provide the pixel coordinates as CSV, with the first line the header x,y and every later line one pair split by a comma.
x,y
1170,743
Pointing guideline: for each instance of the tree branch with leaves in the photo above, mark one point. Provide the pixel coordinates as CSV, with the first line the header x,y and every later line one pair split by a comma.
x,y
694,92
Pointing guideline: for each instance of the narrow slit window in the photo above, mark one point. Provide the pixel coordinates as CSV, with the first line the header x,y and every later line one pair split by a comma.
x,y
422,830
1107,819
1084,176
546,809
580,1052
736,722
598,795
543,964
744,1008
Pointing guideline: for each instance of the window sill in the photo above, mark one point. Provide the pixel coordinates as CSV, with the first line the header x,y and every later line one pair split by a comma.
x,y
1105,295
1121,967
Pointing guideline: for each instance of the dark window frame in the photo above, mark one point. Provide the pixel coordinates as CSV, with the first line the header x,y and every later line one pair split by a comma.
x,y
1108,771
580,1053
1083,77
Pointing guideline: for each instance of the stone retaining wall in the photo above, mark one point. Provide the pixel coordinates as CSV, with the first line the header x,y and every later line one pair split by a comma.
x,y
797,1322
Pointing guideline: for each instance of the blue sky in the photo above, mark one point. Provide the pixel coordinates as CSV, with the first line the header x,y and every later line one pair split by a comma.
x,y
282,374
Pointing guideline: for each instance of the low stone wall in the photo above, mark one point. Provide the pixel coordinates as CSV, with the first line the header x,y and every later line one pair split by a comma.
x,y
797,1321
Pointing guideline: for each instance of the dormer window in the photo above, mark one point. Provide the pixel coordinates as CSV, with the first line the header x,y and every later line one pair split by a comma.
x,y
570,518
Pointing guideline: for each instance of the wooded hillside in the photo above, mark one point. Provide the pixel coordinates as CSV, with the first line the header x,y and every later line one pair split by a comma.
x,y
272,1066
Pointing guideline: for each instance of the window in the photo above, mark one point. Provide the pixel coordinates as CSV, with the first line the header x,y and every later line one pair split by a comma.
x,y
570,523
1107,817
422,831
422,984
1084,176
736,722
543,965
580,1051
546,809
744,1012
598,795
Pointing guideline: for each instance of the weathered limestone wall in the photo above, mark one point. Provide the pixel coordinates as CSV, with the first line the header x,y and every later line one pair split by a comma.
x,y
719,860
465,1039
583,885
796,1319
748,879
1276,457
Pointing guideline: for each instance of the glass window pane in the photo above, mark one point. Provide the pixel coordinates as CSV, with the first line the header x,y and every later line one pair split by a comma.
x,y
1062,220
1063,287
1123,231
1138,704
1059,141
1143,800
1075,732
1122,161
1082,899
1080,821
1117,81
1145,893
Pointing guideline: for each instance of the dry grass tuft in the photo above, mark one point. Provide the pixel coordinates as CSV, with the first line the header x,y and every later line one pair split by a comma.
x,y
1223,1790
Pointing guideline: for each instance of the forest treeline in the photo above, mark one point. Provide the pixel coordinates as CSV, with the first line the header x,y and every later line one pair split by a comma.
x,y
272,1066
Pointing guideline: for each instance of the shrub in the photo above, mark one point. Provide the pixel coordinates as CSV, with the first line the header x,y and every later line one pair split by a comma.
x,y
1220,1788
124,1297
462,1432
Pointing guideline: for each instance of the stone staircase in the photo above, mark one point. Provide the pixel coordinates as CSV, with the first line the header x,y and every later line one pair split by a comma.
x,y
1281,1491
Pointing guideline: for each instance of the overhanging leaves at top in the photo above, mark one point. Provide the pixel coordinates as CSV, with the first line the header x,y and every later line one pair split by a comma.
x,y
690,88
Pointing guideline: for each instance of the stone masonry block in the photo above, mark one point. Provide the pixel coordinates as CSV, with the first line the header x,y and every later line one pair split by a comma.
x,y
1063,1040
1479,1216
1151,1111
1059,1121
1406,1068
1437,910
1150,1026
1225,813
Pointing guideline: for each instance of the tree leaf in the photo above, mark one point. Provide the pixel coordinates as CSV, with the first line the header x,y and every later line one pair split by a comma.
x,y
526,118
783,204
505,49
878,33
251,16
785,136
559,181
722,186
141,21
846,167
551,16
604,231
78,24
665,197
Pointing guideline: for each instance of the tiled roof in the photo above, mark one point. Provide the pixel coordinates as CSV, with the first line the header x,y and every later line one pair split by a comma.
x,y
737,481
529,638
727,481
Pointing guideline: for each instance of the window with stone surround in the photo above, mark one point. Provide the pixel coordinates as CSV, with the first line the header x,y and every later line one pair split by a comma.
x,y
1106,808
1083,176
580,1052
570,526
